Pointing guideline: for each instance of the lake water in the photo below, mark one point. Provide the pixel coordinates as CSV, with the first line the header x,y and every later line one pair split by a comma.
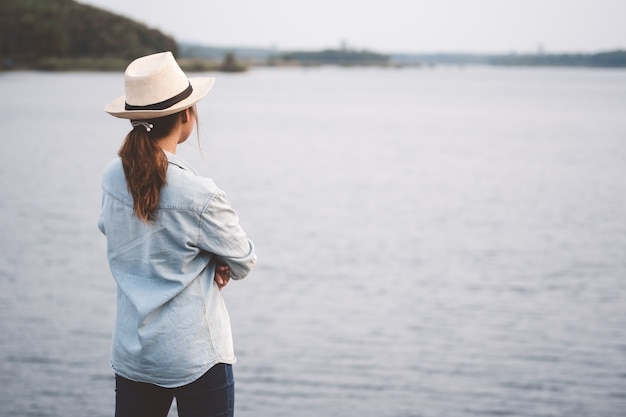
x,y
432,242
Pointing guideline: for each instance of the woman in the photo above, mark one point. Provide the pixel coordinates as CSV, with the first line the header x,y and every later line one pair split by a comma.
x,y
173,242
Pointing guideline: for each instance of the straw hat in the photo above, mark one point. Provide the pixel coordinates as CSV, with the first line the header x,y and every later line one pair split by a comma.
x,y
155,87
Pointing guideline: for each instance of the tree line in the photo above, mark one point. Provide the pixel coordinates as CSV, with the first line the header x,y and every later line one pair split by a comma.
x,y
610,59
343,56
36,33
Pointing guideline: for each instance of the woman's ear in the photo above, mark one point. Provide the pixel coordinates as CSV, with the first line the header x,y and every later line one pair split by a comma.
x,y
186,115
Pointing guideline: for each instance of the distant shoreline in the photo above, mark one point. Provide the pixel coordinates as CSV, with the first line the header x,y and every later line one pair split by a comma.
x,y
117,65
242,64
64,35
349,57
195,58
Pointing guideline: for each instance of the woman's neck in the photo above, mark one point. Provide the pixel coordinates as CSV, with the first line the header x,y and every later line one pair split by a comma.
x,y
168,144
180,133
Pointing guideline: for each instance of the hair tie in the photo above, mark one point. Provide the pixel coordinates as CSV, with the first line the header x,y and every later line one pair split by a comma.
x,y
147,125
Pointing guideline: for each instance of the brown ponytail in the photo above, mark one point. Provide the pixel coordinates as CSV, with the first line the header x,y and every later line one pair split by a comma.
x,y
145,165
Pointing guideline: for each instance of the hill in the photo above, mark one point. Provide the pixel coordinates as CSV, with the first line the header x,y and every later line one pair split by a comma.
x,y
64,34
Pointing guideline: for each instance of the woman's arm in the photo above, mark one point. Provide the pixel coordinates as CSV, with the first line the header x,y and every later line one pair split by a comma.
x,y
221,235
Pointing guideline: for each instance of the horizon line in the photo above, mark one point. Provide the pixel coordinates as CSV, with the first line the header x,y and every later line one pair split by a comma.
x,y
538,51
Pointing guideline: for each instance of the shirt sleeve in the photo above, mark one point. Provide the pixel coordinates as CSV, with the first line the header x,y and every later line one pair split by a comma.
x,y
221,235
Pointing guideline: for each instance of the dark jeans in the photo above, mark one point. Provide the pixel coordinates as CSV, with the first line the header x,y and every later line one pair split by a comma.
x,y
212,395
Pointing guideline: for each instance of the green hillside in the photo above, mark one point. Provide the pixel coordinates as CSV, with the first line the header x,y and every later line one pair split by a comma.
x,y
62,34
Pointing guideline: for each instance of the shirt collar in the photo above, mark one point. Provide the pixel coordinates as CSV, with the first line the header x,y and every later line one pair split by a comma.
x,y
179,162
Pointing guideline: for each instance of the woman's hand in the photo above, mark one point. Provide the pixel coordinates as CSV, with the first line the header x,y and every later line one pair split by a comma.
x,y
222,276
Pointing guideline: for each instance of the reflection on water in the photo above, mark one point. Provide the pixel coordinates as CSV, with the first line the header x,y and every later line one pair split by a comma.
x,y
431,243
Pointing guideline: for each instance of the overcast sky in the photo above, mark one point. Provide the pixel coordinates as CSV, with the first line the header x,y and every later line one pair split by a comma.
x,y
388,25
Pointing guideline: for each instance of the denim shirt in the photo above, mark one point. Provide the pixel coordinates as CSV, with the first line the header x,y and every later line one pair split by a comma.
x,y
172,324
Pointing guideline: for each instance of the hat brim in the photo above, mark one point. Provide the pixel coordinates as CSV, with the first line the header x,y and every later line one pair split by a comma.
x,y
201,86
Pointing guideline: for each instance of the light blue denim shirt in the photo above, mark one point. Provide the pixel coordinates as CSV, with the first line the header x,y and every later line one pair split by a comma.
x,y
172,324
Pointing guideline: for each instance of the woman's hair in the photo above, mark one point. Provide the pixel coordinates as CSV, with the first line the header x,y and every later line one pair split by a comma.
x,y
145,164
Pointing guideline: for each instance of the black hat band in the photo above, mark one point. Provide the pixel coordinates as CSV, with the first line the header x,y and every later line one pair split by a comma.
x,y
163,104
